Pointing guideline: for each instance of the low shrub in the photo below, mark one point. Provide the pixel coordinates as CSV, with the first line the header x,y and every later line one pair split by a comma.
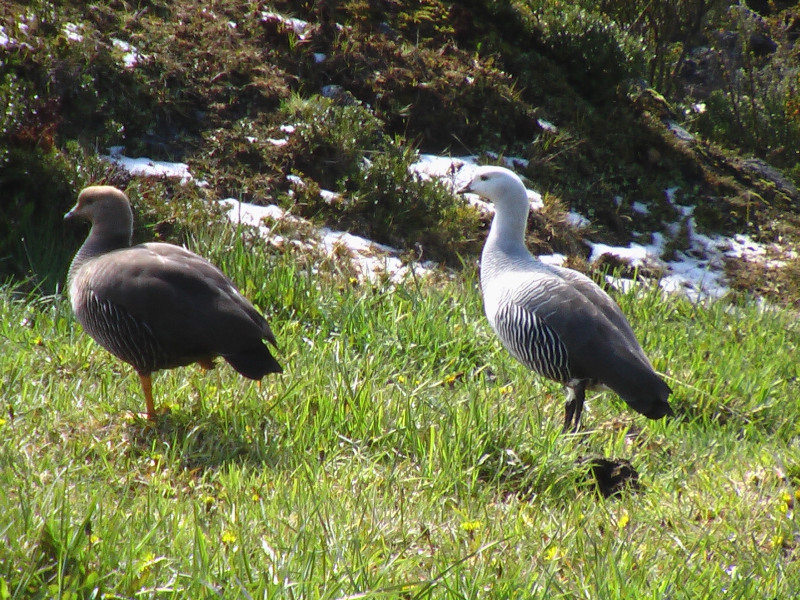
x,y
756,108
596,52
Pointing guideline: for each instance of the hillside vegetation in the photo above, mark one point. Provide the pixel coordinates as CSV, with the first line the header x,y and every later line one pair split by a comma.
x,y
213,84
403,453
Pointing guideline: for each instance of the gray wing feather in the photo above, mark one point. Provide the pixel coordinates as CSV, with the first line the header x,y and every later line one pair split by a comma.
x,y
532,342
188,305
604,303
554,328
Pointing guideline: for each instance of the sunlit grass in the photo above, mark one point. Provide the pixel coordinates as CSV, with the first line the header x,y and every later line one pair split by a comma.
x,y
403,453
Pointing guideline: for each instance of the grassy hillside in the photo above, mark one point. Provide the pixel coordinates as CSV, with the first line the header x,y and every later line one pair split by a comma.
x,y
403,454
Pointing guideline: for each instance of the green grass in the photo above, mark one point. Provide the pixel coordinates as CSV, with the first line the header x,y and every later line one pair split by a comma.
x,y
403,454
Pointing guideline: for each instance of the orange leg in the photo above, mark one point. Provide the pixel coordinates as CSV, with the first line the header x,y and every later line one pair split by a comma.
x,y
147,388
206,363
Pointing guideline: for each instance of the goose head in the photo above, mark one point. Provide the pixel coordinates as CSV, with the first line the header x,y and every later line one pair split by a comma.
x,y
106,208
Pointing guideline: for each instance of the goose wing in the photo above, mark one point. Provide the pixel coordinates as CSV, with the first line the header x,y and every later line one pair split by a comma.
x,y
549,325
189,304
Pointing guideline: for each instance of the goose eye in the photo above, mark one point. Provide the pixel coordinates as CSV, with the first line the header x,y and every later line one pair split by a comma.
x,y
484,177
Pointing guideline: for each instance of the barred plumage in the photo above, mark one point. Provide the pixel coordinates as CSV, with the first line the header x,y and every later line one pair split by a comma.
x,y
123,335
532,342
159,306
557,321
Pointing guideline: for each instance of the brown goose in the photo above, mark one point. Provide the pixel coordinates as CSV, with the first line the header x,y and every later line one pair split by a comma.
x,y
159,306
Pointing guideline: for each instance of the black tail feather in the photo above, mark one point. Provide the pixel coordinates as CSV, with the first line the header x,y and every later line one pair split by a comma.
x,y
255,362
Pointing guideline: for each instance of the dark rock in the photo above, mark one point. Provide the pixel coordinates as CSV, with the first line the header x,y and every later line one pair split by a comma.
x,y
610,476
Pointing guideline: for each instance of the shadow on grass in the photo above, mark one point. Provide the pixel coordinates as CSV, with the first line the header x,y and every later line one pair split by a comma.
x,y
199,443
607,477
564,466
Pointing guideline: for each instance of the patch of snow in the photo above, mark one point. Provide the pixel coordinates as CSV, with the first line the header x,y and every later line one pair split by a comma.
x,y
72,31
330,197
130,56
332,238
636,255
433,165
298,26
640,208
620,283
253,215
680,132
282,141
577,220
148,167
556,260
696,272
327,195
319,57
455,172
373,261
5,41
743,246
535,199
670,194
547,125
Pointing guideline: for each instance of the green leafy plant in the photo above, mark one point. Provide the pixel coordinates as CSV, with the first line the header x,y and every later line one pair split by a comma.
x,y
756,108
343,149
597,53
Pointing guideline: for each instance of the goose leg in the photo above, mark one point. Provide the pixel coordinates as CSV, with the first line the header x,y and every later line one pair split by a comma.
x,y
147,387
207,364
573,408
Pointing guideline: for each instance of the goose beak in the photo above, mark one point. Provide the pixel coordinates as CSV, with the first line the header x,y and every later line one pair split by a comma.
x,y
75,213
465,189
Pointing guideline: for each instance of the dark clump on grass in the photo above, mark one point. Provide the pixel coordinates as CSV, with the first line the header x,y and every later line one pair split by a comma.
x,y
609,477
520,476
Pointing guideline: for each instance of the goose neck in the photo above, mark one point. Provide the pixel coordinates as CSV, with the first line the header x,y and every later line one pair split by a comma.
x,y
504,252
507,232
97,243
